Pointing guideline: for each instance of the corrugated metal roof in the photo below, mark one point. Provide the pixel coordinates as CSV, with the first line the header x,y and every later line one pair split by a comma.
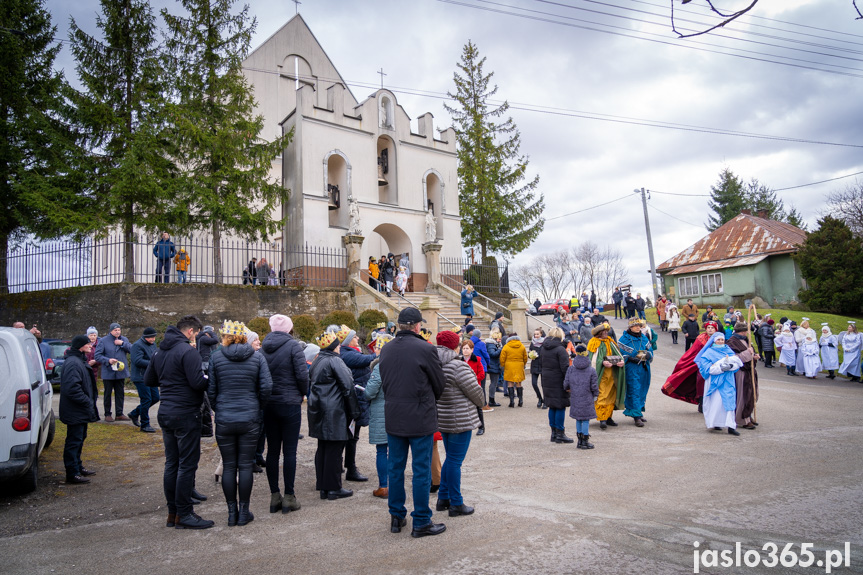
x,y
741,238
732,263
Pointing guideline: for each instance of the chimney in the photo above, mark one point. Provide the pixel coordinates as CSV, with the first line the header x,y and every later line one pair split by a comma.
x,y
746,212
763,214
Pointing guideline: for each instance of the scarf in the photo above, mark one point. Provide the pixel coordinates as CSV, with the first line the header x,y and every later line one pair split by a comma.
x,y
537,341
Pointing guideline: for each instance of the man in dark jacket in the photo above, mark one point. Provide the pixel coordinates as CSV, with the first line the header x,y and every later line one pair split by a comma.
x,y
617,297
142,352
592,301
388,273
251,269
690,331
78,395
359,363
283,413
639,306
164,251
176,368
412,379
630,305
206,343
110,352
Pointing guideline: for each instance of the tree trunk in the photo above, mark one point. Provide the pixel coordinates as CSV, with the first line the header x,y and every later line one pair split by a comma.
x,y
217,253
128,246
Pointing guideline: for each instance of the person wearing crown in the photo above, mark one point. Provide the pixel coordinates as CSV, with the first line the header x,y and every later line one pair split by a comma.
x,y
605,357
635,348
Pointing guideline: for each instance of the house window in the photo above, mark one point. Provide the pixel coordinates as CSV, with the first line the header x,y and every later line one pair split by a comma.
x,y
711,283
688,286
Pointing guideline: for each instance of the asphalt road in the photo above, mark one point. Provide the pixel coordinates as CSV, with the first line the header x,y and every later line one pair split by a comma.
x,y
635,504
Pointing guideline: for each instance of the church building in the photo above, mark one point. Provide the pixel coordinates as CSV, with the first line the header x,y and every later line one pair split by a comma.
x,y
354,168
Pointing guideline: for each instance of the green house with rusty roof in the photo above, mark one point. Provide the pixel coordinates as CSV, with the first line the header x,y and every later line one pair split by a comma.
x,y
747,257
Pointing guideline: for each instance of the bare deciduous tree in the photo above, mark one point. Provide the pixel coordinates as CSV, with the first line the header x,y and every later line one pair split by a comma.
x,y
847,205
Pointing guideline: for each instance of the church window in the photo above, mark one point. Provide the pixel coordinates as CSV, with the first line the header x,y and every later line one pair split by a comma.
x,y
386,171
386,113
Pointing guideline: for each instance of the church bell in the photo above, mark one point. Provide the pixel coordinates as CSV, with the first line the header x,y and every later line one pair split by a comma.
x,y
383,167
334,201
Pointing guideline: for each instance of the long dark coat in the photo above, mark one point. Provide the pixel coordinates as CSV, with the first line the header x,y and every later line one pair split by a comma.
x,y
332,401
555,363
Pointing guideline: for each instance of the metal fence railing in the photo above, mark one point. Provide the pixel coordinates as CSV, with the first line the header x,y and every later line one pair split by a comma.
x,y
62,264
490,281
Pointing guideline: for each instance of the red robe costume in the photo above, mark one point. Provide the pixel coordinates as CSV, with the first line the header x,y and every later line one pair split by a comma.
x,y
685,382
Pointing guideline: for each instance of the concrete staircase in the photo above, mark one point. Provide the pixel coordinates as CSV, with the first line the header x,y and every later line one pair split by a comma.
x,y
450,311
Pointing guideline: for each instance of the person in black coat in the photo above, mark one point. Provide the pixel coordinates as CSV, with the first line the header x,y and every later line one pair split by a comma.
x,y
359,363
536,364
332,407
240,386
555,363
142,353
283,414
690,331
176,370
78,394
629,303
639,306
767,334
592,302
412,380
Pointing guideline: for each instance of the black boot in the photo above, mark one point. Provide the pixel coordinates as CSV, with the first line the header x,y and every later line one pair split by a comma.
x,y
553,435
562,437
587,444
520,391
232,513
511,392
832,375
539,403
580,441
245,516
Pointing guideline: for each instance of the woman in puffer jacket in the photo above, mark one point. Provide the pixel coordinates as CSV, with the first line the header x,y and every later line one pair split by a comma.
x,y
457,418
239,387
377,419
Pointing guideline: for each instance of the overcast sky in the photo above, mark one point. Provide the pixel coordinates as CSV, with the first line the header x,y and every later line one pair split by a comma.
x,y
604,64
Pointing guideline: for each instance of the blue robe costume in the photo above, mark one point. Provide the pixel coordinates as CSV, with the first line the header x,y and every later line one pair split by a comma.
x,y
637,373
718,383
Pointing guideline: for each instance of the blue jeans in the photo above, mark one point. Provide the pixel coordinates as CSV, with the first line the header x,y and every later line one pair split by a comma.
x,y
181,276
582,426
381,464
455,445
420,448
182,437
149,397
641,314
556,418
163,270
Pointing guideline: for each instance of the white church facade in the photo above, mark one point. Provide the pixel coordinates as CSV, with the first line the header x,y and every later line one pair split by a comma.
x,y
348,155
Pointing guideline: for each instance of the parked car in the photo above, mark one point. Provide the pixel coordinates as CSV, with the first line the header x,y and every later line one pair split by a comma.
x,y
554,304
26,412
54,363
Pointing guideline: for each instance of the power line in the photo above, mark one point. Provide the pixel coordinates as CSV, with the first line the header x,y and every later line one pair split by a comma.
x,y
672,216
677,194
756,57
816,183
586,209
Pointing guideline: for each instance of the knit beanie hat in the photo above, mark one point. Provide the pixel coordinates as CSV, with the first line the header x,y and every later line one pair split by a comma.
x,y
92,330
279,322
311,351
448,339
79,341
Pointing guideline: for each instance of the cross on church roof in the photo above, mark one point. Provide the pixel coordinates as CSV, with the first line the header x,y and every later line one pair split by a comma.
x,y
381,72
297,2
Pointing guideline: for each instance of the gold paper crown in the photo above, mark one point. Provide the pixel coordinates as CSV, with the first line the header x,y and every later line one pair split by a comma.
x,y
425,333
382,340
634,321
233,328
455,329
343,333
326,339
382,325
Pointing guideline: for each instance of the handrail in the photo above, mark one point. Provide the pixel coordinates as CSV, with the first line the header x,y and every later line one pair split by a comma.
x,y
498,304
401,297
539,320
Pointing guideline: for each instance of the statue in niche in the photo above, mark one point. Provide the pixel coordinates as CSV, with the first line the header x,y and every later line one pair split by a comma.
x,y
431,227
354,217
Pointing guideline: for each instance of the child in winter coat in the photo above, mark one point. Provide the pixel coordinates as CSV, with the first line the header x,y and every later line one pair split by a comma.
x,y
582,385
402,281
513,359
787,350
673,322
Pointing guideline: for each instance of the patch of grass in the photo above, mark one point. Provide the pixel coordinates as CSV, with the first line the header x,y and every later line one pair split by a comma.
x,y
107,443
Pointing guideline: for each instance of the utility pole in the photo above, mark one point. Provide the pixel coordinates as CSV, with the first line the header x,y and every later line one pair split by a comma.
x,y
644,193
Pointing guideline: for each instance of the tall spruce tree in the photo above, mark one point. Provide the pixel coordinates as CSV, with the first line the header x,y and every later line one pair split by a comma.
x,y
225,162
121,110
831,260
727,199
500,213
39,193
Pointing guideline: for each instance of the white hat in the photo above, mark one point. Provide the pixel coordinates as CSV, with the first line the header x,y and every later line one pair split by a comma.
x,y
852,322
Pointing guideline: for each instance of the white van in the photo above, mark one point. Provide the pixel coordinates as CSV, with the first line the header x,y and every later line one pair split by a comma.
x,y
26,411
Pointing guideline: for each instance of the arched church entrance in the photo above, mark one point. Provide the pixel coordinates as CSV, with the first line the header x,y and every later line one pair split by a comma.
x,y
390,238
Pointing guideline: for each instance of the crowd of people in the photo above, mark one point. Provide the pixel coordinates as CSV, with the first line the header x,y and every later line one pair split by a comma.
x,y
386,274
413,392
